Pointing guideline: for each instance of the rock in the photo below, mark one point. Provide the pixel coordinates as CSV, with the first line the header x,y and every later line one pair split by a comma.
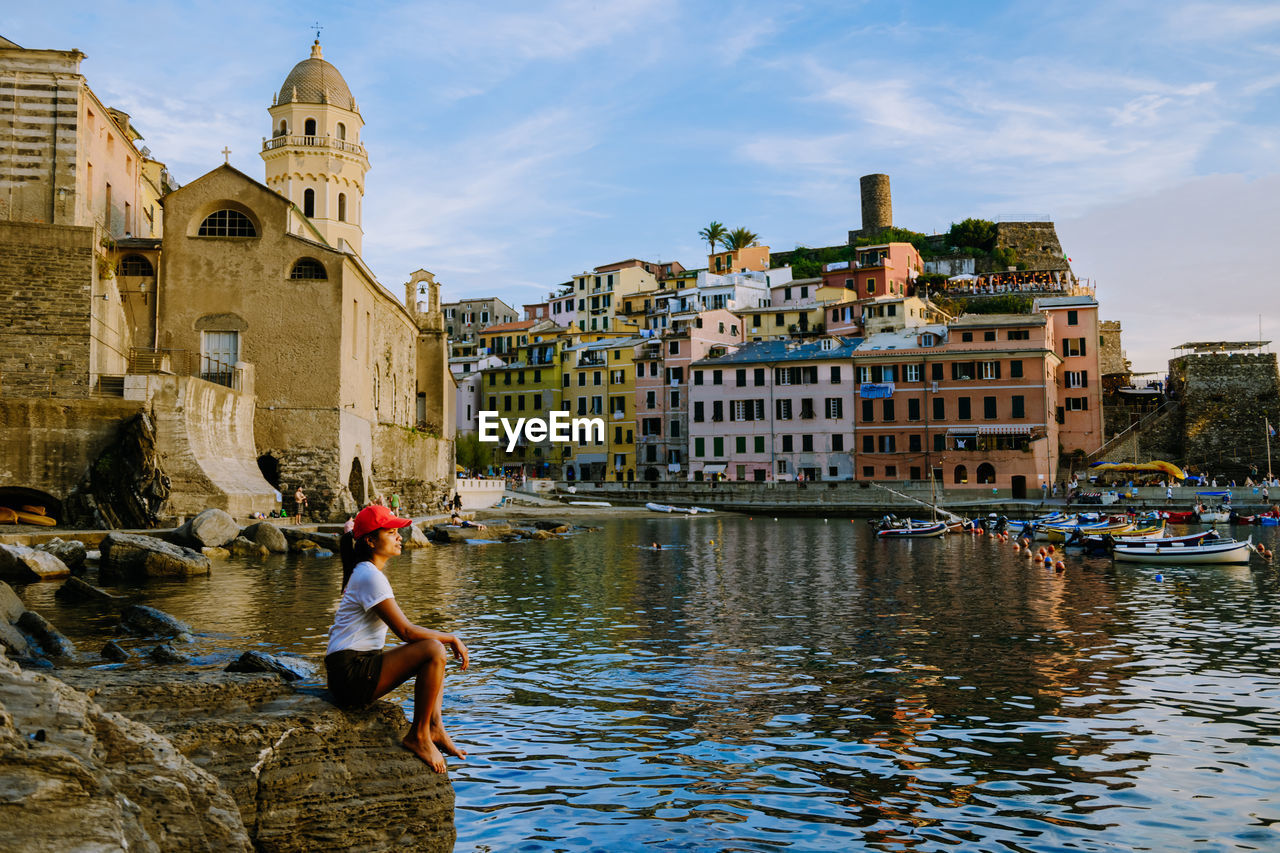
x,y
211,528
99,781
288,667
549,525
323,540
77,590
125,487
15,644
112,651
216,553
72,553
27,565
49,638
267,535
152,622
543,534
414,537
11,607
306,775
130,555
562,529
300,545
165,653
242,547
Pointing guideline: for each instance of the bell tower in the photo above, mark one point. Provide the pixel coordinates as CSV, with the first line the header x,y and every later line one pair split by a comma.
x,y
314,156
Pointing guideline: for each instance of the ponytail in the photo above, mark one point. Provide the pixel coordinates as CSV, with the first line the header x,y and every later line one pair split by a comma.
x,y
354,551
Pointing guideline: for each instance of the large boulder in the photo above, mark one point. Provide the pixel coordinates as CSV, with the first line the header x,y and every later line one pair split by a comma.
x,y
550,525
306,775
152,622
91,779
27,565
11,607
212,528
71,553
267,535
130,555
241,547
16,644
414,537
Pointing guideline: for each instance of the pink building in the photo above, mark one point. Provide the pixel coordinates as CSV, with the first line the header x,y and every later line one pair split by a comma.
x,y
662,390
1074,321
889,269
774,410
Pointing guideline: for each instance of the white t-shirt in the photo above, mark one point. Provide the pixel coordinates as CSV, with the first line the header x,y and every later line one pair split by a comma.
x,y
356,626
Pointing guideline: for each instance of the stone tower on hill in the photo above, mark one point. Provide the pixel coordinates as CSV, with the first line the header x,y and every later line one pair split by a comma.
x,y
1034,243
314,157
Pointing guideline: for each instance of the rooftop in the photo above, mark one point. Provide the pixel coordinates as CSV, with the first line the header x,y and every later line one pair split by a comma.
x,y
517,326
1082,301
972,321
775,351
315,81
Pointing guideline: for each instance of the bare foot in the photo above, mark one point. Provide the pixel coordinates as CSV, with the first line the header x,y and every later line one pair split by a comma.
x,y
427,752
441,739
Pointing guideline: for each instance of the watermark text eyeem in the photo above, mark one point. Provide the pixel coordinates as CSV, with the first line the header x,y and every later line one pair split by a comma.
x,y
560,428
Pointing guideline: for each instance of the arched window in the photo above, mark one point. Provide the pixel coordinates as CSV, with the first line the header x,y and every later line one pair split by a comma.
x,y
309,127
309,202
342,207
284,128
135,265
962,474
342,130
227,223
986,473
308,268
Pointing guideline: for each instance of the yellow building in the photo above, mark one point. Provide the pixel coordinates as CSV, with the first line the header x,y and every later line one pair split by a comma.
x,y
600,294
598,381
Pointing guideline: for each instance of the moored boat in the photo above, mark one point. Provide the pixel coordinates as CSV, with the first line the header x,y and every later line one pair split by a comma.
x,y
1183,553
913,530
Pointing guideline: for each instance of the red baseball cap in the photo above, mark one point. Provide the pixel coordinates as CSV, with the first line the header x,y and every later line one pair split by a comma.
x,y
376,517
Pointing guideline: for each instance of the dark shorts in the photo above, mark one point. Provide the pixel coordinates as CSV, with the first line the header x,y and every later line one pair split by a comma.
x,y
353,676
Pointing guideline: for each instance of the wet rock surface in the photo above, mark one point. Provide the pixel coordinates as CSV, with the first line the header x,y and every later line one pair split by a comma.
x,y
288,667
127,555
268,535
72,553
213,528
50,640
74,776
76,589
152,622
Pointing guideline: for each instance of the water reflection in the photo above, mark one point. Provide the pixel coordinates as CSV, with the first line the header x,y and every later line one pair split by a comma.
x,y
761,685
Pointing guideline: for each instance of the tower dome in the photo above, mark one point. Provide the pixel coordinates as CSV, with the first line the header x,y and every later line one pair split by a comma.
x,y
314,156
315,81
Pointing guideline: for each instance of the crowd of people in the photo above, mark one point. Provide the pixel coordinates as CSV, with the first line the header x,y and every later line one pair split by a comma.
x,y
1023,281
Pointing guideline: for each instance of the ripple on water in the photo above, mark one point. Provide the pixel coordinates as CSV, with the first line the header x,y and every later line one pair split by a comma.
x,y
802,686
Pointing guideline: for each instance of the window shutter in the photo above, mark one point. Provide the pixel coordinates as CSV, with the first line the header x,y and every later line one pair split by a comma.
x,y
1084,379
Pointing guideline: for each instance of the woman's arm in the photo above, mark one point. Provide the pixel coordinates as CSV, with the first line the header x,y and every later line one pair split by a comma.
x,y
388,611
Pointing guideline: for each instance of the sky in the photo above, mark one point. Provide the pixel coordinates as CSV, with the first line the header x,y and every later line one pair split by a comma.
x,y
515,144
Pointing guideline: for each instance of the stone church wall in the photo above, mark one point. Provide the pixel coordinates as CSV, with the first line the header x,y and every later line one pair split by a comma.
x,y
47,272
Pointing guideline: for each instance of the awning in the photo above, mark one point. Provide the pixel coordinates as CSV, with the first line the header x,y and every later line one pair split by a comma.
x,y
1004,430
714,469
1154,466
875,390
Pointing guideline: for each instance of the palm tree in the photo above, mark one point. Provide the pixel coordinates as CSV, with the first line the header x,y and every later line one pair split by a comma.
x,y
713,233
740,238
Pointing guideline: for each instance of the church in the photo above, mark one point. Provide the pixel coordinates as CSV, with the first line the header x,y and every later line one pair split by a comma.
x,y
247,323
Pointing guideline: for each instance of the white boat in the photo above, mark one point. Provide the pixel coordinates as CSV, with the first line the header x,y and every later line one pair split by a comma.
x,y
1182,553
913,530
660,507
589,503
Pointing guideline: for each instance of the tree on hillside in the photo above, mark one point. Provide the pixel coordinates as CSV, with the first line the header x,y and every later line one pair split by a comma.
x,y
713,234
973,234
740,238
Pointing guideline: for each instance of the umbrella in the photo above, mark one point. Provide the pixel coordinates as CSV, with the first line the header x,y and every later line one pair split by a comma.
x,y
963,277
1155,465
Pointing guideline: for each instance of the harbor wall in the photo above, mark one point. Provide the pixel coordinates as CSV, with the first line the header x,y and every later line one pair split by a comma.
x,y
1226,399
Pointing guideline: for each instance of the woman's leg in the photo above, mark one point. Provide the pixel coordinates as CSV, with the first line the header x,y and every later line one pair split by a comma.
x,y
426,659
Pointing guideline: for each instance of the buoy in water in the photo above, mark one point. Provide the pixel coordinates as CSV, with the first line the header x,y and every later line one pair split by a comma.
x,y
1159,578
1059,566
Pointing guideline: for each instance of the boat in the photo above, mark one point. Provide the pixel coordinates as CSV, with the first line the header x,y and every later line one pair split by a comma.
x,y
1182,553
660,507
1058,535
8,516
1188,517
589,503
39,519
913,530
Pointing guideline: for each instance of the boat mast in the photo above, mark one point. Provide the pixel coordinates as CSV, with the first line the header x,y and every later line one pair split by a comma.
x,y
1266,434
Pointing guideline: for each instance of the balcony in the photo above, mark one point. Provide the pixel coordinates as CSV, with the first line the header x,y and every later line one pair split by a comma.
x,y
329,142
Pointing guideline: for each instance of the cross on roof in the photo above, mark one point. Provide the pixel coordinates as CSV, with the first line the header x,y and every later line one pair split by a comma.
x,y
226,154
318,29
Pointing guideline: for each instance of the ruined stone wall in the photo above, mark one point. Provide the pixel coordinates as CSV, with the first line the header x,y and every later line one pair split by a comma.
x,y
1035,243
877,203
1225,399
1110,353
47,273
416,465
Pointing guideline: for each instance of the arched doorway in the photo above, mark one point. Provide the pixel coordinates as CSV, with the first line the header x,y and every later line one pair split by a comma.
x,y
962,474
987,473
270,468
1019,484
355,482
651,474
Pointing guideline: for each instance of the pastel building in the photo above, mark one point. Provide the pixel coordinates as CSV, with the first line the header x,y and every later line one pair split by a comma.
x,y
1077,340
465,318
774,410
662,390
887,269
524,382
469,374
598,381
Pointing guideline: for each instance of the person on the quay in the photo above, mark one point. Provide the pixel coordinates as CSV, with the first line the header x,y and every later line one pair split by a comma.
x,y
359,671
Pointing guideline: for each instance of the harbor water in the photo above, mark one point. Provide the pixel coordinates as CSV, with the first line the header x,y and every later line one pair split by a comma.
x,y
798,685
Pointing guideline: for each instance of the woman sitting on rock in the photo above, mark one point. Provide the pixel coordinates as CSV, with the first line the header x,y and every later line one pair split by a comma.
x,y
359,670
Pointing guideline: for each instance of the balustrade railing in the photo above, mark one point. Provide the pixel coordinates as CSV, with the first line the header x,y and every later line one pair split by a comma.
x,y
312,142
